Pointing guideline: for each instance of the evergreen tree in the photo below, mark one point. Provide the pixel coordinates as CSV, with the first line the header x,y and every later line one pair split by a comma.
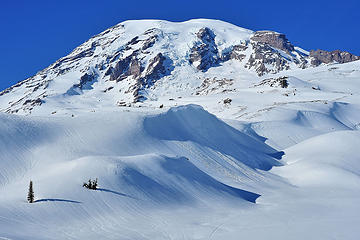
x,y
284,83
30,196
91,184
94,185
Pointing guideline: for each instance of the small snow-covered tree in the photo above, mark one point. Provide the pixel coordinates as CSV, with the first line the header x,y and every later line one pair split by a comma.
x,y
30,196
91,184
94,184
284,83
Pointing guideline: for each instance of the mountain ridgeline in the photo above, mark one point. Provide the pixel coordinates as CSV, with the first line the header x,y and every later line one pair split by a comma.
x,y
135,61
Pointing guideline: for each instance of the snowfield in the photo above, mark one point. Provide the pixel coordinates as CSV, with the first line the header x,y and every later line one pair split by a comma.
x,y
256,161
177,174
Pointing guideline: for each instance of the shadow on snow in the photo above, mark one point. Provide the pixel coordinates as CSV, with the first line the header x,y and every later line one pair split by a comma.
x,y
56,200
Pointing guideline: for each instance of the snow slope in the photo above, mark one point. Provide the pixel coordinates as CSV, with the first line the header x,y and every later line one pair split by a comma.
x,y
138,169
181,173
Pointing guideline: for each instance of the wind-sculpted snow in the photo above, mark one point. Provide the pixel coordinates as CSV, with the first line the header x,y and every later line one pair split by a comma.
x,y
327,168
137,170
192,123
177,180
175,173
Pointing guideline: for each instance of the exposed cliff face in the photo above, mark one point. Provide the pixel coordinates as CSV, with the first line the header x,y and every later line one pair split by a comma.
x,y
135,60
157,68
204,54
128,66
320,56
273,39
265,59
272,53
237,52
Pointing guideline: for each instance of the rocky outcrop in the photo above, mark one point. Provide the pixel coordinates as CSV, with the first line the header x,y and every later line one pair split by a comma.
x,y
128,66
151,36
237,52
85,79
274,82
321,56
265,59
149,42
33,102
131,65
158,67
205,53
273,39
27,105
212,85
76,55
85,83
155,70
268,53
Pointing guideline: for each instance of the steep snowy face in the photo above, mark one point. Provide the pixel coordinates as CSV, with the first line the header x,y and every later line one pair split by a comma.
x,y
136,61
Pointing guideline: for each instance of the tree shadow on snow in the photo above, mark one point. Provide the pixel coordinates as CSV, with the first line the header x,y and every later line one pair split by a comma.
x,y
114,192
56,200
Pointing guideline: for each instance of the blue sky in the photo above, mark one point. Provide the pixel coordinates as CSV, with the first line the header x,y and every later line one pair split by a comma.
x,y
36,33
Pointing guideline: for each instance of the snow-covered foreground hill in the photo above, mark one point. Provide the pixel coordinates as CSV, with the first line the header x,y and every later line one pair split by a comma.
x,y
189,139
176,174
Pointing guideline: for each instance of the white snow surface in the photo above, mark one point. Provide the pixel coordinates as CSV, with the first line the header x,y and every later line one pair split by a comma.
x,y
274,163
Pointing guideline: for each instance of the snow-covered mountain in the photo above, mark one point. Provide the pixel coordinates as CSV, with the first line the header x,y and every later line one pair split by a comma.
x,y
195,130
142,61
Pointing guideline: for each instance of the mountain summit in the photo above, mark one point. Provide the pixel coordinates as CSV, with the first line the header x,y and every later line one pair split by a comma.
x,y
142,60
